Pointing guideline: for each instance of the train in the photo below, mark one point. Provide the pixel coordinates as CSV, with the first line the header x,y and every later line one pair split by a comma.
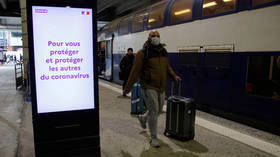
x,y
227,53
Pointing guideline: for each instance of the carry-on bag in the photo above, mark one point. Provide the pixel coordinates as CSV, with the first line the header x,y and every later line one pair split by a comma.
x,y
180,116
136,99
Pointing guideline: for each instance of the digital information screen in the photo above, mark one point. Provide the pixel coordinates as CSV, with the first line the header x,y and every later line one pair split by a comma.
x,y
63,54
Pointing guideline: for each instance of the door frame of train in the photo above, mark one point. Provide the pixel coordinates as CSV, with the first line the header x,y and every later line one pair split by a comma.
x,y
99,70
110,76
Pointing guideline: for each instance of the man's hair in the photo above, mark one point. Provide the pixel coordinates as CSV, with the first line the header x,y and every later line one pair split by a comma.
x,y
153,32
130,49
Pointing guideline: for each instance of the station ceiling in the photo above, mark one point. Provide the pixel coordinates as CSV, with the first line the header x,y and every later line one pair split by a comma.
x,y
10,8
107,10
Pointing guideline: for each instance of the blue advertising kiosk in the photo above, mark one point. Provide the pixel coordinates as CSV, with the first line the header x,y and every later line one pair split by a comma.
x,y
64,85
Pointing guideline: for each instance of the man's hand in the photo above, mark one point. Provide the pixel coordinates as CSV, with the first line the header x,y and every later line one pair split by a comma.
x,y
125,92
177,79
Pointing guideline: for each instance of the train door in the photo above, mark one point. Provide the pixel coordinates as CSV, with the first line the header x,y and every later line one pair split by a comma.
x,y
216,76
185,63
105,59
188,67
108,60
101,58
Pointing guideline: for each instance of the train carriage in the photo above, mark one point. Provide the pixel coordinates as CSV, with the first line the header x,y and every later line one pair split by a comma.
x,y
226,51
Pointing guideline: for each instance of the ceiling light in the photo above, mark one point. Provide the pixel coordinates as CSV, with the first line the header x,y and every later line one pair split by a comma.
x,y
227,0
182,11
209,4
151,20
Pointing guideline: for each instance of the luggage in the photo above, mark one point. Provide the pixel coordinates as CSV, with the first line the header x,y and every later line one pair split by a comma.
x,y
180,116
136,99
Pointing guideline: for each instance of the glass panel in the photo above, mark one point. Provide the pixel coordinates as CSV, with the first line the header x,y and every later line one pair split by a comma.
x,y
101,58
108,62
123,27
263,76
258,2
137,23
181,11
156,15
108,49
211,7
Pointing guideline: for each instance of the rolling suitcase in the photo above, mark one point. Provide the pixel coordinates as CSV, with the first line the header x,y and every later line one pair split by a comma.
x,y
180,116
136,99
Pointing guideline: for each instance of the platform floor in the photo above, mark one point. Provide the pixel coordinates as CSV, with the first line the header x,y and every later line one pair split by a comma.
x,y
10,112
122,136
214,136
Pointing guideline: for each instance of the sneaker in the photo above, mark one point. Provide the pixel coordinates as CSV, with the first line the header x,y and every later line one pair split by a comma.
x,y
154,143
142,122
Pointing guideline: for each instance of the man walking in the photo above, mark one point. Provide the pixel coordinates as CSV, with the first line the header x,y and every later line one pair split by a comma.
x,y
151,64
126,66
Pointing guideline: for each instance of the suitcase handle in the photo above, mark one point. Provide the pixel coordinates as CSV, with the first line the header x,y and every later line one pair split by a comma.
x,y
179,88
137,90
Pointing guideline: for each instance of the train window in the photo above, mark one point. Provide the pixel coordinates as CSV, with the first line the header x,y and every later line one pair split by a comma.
x,y
258,2
156,15
263,76
123,26
212,7
181,11
108,50
137,22
101,57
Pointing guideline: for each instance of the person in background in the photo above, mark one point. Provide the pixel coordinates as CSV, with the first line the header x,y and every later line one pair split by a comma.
x,y
21,59
151,64
126,66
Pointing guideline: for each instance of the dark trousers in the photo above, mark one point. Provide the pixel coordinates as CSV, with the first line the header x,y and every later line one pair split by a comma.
x,y
124,83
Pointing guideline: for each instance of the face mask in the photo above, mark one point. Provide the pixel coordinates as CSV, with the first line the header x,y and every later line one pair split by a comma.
x,y
155,40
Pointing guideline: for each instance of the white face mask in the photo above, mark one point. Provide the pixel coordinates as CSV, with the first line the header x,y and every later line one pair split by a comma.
x,y
155,41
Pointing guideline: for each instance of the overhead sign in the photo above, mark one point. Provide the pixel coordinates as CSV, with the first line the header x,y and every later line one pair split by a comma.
x,y
63,54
